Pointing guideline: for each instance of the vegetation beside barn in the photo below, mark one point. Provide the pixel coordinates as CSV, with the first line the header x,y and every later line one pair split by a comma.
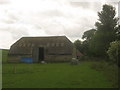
x,y
4,55
102,41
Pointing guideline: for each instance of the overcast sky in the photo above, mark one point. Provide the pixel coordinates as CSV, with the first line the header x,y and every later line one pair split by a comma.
x,y
26,18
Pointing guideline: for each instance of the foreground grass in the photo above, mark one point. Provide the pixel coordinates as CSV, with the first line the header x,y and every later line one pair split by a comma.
x,y
58,75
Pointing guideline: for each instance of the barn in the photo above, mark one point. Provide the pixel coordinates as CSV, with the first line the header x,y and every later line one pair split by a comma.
x,y
37,49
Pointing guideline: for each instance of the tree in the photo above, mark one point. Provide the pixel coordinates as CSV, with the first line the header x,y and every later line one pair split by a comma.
x,y
88,34
85,44
114,51
77,44
118,32
81,46
106,31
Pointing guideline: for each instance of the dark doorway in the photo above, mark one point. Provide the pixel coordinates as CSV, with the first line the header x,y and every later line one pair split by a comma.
x,y
41,54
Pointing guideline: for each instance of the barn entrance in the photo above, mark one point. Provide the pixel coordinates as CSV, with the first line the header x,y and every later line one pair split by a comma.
x,y
41,54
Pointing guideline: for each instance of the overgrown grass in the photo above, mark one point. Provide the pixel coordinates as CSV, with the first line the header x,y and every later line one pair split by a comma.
x,y
108,69
57,75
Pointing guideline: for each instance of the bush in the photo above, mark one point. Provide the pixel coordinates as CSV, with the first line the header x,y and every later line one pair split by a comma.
x,y
114,52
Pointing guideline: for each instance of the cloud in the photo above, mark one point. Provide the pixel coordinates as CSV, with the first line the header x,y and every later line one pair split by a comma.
x,y
8,40
88,5
21,18
4,2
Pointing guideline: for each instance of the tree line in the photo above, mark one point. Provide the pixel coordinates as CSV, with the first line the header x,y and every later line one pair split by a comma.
x,y
104,39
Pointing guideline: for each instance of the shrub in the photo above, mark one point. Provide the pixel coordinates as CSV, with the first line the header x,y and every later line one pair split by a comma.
x,y
114,52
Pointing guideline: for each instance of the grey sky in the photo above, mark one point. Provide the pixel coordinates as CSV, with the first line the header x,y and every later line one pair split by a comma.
x,y
20,18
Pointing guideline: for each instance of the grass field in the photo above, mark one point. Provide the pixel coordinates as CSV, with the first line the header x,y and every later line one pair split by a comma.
x,y
57,75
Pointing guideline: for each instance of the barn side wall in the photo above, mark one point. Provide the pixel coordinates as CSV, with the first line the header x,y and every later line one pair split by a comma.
x,y
74,52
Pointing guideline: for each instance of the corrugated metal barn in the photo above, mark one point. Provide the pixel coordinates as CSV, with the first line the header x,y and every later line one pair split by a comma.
x,y
37,49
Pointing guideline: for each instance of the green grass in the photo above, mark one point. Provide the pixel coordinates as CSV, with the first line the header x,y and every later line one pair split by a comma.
x,y
57,75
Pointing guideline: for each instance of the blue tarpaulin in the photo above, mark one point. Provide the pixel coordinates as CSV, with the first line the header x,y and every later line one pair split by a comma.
x,y
26,59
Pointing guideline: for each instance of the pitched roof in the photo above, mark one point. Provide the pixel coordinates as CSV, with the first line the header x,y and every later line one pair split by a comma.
x,y
27,42
43,39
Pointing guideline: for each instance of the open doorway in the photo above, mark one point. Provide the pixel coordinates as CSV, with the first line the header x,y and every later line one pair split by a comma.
x,y
41,54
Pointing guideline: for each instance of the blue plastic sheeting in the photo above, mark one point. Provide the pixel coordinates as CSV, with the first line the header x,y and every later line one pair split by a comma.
x,y
26,59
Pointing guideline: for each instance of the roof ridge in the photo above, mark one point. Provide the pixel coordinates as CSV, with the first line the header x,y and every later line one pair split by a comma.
x,y
43,36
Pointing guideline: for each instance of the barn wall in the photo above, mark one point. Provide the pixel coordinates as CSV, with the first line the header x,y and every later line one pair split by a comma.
x,y
56,49
35,54
14,58
57,58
